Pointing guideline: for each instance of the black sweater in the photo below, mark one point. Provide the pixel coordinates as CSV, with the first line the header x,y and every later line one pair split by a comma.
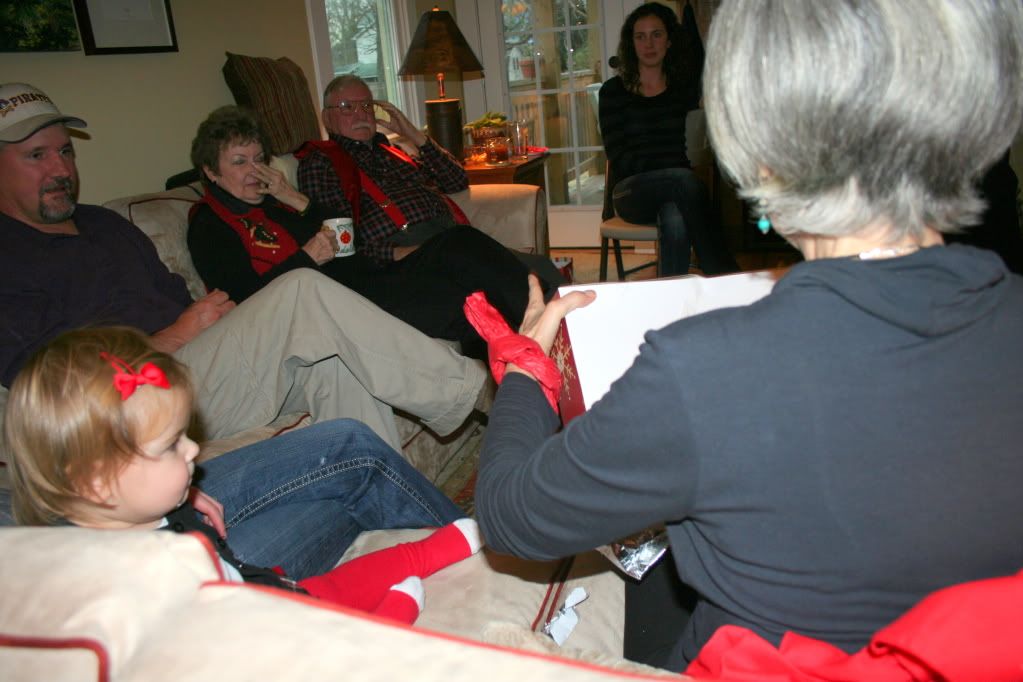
x,y
644,133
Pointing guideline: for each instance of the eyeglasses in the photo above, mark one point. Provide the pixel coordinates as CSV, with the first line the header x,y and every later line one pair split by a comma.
x,y
349,108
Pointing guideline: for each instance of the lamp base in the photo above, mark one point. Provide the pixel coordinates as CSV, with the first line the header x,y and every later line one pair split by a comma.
x,y
444,120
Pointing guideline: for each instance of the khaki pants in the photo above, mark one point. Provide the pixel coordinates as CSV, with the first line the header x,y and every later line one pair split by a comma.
x,y
307,344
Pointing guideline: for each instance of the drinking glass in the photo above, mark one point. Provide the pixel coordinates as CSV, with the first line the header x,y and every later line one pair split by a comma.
x,y
498,151
520,138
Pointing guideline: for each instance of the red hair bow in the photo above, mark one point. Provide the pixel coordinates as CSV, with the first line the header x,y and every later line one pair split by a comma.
x,y
126,379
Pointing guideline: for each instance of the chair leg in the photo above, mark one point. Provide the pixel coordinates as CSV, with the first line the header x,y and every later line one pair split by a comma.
x,y
618,259
603,259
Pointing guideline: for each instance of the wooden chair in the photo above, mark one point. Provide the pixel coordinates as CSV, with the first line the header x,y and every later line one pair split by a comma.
x,y
615,230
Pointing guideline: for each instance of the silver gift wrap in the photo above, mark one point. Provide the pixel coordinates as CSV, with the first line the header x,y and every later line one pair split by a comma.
x,y
637,554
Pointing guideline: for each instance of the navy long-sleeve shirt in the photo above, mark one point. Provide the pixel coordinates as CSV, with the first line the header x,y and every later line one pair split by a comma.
x,y
108,274
823,458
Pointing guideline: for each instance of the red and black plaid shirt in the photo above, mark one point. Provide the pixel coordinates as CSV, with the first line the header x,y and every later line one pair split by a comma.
x,y
417,191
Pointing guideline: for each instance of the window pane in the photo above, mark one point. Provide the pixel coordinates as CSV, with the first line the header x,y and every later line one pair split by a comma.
x,y
360,40
555,50
517,16
586,181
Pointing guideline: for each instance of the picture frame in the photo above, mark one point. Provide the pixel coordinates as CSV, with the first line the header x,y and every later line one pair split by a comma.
x,y
125,26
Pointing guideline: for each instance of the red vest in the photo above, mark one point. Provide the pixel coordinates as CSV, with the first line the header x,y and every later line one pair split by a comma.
x,y
353,180
266,242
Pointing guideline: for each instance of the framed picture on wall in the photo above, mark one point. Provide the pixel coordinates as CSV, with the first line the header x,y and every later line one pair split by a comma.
x,y
125,26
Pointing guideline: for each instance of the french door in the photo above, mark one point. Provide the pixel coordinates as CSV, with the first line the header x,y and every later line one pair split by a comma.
x,y
544,61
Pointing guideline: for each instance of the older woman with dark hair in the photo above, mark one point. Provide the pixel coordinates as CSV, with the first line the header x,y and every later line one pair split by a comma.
x,y
643,114
829,455
252,226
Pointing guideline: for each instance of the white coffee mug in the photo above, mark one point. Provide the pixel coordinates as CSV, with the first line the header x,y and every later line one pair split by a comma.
x,y
345,234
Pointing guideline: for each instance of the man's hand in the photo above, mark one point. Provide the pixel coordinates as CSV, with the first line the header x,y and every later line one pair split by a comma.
x,y
202,314
211,510
399,124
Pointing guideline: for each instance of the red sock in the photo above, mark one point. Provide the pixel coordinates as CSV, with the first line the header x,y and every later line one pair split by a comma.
x,y
363,582
403,602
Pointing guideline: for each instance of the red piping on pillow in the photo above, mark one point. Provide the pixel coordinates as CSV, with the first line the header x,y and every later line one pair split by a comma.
x,y
214,557
102,660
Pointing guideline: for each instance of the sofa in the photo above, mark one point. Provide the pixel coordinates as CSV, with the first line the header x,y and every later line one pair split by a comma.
x,y
91,605
515,215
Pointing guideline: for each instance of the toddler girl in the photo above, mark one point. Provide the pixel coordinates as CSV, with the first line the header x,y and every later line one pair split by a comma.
x,y
97,423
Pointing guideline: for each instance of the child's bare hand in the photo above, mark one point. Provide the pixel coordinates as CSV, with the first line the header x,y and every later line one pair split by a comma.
x,y
211,510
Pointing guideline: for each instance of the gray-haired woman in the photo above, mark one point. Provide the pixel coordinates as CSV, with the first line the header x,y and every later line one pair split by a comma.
x,y
827,456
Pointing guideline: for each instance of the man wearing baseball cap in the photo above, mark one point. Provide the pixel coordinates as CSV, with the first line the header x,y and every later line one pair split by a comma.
x,y
303,344
26,112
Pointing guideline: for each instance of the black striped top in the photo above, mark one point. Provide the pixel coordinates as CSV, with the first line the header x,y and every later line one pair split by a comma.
x,y
644,133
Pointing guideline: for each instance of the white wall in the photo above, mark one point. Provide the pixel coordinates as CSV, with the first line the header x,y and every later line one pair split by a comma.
x,y
143,109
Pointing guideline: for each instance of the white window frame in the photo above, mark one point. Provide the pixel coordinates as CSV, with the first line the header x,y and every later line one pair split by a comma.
x,y
409,90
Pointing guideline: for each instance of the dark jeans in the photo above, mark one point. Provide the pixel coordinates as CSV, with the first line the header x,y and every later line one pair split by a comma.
x,y
676,200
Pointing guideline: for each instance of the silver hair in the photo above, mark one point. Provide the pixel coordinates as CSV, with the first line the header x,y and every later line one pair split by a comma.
x,y
839,114
339,83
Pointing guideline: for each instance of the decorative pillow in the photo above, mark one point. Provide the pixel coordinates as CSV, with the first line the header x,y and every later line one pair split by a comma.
x,y
163,217
79,603
276,90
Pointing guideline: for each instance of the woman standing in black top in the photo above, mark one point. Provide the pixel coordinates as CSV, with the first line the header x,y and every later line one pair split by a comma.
x,y
643,122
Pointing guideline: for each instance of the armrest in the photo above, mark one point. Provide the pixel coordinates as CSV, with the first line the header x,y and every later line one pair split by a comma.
x,y
515,215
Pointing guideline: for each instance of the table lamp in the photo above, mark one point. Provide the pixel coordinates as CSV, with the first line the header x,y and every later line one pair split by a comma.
x,y
438,47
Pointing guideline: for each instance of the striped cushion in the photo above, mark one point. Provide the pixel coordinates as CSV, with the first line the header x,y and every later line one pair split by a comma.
x,y
277,92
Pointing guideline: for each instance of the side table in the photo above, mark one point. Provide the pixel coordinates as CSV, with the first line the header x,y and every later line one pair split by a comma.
x,y
528,171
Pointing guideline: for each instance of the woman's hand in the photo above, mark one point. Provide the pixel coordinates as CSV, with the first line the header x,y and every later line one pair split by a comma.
x,y
277,186
541,320
211,510
322,247
399,124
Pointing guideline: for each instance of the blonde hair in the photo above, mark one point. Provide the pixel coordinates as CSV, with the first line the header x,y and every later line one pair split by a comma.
x,y
66,423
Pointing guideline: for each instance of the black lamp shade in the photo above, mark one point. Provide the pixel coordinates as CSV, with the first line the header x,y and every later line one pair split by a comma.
x,y
437,47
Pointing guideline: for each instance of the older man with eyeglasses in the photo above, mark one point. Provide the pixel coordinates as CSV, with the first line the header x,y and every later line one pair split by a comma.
x,y
403,219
